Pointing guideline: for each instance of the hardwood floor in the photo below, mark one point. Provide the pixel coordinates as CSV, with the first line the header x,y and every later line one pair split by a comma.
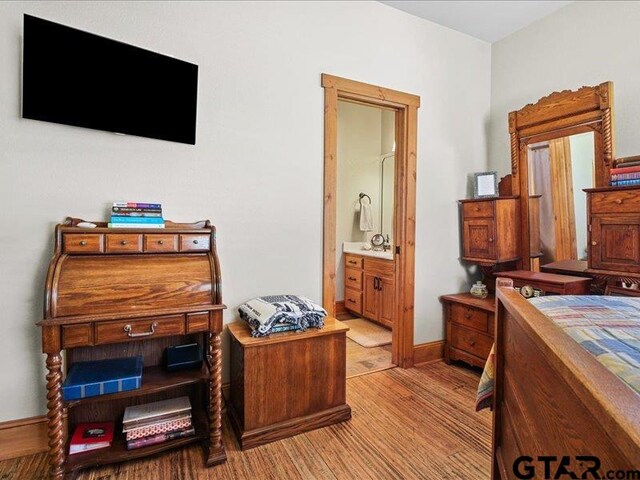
x,y
418,423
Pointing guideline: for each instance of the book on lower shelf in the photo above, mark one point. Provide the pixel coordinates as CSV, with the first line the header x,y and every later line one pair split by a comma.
x,y
91,436
101,377
157,422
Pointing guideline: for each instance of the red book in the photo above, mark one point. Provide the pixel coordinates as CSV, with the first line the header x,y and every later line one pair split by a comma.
x,y
625,170
91,436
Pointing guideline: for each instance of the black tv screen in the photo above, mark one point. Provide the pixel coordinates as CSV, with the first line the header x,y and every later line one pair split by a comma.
x,y
78,78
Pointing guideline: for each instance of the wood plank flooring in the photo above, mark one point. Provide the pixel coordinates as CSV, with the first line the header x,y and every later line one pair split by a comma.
x,y
418,423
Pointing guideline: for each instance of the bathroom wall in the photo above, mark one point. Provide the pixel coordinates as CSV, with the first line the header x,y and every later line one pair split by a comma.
x,y
364,135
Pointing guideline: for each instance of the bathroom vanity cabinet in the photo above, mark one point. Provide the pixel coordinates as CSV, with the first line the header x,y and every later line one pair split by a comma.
x,y
370,288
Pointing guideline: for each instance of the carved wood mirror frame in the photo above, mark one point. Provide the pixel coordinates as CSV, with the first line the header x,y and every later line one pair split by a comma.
x,y
588,109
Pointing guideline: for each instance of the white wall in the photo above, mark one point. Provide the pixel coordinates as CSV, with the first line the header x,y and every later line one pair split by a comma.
x,y
584,43
256,170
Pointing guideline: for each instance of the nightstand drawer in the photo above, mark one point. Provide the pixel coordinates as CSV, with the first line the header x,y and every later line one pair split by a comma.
x,y
124,243
194,243
83,243
144,329
353,279
470,317
353,300
471,341
622,201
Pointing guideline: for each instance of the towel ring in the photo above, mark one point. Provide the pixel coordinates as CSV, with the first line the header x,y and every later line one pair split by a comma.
x,y
361,196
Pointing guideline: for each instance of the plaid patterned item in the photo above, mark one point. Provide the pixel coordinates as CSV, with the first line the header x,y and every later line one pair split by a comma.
x,y
607,327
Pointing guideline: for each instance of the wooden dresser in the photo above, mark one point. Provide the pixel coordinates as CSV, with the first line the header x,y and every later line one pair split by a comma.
x,y
287,383
369,288
614,231
490,230
469,328
125,292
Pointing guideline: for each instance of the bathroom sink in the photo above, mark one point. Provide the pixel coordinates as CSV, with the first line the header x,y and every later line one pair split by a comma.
x,y
356,248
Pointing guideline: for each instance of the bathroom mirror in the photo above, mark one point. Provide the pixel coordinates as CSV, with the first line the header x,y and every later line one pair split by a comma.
x,y
559,170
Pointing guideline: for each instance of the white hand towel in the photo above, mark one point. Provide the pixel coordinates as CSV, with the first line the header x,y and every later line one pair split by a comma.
x,y
366,218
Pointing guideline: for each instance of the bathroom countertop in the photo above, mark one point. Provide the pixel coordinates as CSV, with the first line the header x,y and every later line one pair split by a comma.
x,y
356,249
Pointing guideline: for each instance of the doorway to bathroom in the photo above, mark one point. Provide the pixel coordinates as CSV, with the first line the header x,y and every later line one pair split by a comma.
x,y
369,220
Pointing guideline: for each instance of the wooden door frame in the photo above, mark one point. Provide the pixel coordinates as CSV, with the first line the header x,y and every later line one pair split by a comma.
x,y
406,106
560,114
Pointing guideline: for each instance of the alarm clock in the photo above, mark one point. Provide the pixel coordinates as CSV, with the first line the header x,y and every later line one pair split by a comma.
x,y
377,241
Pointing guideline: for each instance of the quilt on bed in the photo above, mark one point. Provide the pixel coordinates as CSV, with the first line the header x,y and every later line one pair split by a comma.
x,y
607,327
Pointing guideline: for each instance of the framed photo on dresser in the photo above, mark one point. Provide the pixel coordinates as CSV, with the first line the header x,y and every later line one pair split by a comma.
x,y
485,185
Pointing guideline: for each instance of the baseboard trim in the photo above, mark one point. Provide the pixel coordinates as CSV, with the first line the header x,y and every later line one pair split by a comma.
x,y
428,352
25,436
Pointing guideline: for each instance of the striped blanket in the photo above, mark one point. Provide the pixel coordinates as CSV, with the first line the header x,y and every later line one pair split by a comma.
x,y
280,313
607,327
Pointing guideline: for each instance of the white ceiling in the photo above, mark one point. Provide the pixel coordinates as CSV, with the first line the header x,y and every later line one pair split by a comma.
x,y
488,21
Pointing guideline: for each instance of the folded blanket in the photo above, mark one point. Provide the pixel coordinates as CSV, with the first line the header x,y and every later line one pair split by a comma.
x,y
266,315
484,397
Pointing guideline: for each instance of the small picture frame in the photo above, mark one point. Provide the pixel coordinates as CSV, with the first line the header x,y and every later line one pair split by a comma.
x,y
485,185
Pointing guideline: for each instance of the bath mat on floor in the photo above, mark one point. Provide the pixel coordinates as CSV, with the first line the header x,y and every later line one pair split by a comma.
x,y
366,333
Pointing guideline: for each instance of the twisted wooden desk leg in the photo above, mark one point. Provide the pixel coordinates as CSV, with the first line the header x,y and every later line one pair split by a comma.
x,y
216,449
56,426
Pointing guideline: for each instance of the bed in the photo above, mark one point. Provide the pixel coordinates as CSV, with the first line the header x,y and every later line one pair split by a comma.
x,y
559,412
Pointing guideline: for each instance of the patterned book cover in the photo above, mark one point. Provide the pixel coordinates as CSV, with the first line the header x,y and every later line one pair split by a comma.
x,y
100,377
157,429
160,438
120,219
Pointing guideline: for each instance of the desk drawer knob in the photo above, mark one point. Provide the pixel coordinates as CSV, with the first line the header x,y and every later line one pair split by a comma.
x,y
83,243
353,279
351,300
619,201
123,242
594,243
160,242
129,332
195,241
491,240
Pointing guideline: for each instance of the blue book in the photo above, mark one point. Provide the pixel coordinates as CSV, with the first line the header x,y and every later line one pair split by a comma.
x,y
119,219
100,377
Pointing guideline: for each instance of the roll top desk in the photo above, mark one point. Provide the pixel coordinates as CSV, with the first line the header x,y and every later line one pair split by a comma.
x,y
123,292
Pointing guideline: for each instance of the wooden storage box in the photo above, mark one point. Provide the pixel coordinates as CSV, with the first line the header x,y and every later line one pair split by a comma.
x,y
287,383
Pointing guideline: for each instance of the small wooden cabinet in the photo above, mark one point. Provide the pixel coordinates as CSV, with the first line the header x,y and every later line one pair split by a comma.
x,y
614,229
370,288
490,232
287,383
469,328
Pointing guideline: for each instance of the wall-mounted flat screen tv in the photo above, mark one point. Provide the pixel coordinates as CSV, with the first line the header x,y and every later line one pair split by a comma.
x,y
78,78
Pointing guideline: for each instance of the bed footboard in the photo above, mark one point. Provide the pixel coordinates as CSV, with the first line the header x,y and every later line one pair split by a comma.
x,y
556,408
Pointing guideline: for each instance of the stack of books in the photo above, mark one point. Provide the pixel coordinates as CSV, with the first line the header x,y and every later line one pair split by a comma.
x,y
157,422
136,215
626,172
91,436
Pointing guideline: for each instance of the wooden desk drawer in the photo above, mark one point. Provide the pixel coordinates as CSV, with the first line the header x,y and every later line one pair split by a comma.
x,y
124,243
623,201
144,329
471,341
194,243
477,209
353,300
83,243
470,317
160,243
353,278
353,261
80,335
381,268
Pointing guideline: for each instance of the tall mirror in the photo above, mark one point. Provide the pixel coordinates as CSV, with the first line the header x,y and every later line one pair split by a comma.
x,y
559,170
560,145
